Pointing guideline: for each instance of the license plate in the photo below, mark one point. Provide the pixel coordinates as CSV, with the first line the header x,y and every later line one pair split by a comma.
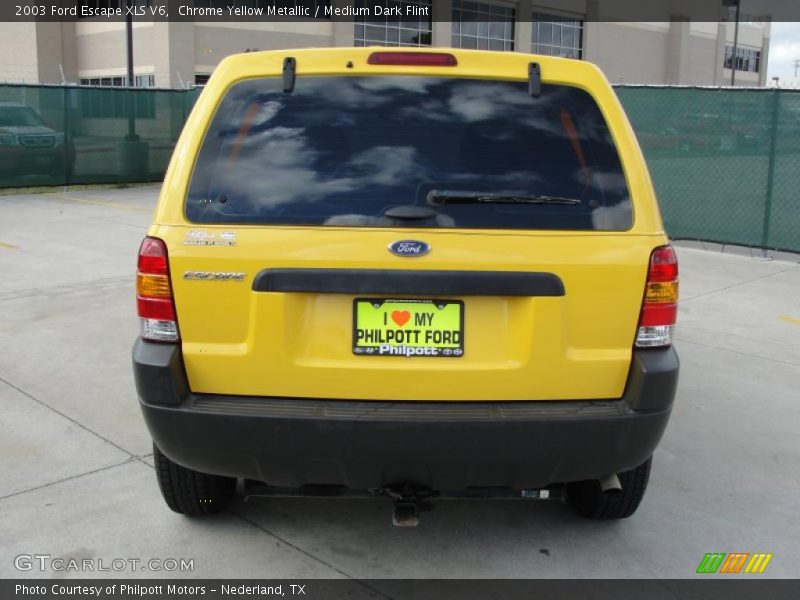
x,y
409,328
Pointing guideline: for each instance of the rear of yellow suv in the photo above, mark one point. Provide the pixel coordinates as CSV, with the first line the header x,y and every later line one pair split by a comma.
x,y
402,272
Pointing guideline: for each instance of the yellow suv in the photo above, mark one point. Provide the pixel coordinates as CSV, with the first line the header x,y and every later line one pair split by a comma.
x,y
406,273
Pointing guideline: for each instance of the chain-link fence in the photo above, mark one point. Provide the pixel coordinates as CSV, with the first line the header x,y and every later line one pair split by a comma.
x,y
725,162
54,135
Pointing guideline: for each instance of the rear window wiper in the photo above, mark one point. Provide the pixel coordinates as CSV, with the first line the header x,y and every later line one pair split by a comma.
x,y
441,197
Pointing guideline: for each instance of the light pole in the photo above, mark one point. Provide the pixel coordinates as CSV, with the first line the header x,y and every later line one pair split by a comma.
x,y
132,137
129,39
134,154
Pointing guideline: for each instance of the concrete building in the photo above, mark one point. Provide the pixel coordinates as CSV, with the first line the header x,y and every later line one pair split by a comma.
x,y
179,54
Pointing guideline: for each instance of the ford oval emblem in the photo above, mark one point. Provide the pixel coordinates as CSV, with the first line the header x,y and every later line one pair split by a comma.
x,y
409,248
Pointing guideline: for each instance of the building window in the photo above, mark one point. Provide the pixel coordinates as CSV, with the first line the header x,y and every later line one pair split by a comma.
x,y
140,81
413,28
105,81
555,35
113,104
482,26
201,79
145,81
747,59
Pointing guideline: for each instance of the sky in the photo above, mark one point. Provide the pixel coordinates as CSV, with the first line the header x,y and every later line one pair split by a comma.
x,y
784,50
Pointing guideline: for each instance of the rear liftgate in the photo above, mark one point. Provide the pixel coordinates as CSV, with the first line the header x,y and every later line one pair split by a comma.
x,y
409,500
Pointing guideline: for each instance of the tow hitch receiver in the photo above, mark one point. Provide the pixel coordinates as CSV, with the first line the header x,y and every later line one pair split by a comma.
x,y
405,514
408,500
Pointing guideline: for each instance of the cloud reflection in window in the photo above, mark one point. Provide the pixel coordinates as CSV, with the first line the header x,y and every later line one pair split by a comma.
x,y
344,149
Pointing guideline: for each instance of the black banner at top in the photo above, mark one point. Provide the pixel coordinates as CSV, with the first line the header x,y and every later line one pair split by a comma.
x,y
750,11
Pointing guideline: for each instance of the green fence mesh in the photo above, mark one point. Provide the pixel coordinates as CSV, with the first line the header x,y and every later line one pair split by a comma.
x,y
725,162
66,135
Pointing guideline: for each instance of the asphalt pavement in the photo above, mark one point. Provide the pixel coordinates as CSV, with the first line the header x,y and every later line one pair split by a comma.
x,y
76,475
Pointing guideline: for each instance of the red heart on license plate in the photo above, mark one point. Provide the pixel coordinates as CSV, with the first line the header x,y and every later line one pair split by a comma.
x,y
401,317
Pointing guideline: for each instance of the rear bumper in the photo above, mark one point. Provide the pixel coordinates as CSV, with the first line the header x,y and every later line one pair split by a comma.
x,y
448,446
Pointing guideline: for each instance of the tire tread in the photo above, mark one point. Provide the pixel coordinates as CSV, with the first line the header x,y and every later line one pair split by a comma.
x,y
190,492
592,503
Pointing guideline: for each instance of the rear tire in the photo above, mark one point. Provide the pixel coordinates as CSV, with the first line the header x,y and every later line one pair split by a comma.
x,y
592,503
190,492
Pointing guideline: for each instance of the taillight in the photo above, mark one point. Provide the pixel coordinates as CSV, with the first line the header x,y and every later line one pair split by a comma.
x,y
154,293
660,306
417,59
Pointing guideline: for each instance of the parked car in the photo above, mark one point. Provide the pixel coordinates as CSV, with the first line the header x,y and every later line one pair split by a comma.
x,y
659,139
28,146
406,273
719,131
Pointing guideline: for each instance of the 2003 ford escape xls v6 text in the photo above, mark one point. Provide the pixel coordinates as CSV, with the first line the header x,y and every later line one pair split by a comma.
x,y
406,273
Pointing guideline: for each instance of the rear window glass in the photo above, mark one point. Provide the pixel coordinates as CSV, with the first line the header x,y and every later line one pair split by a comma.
x,y
414,151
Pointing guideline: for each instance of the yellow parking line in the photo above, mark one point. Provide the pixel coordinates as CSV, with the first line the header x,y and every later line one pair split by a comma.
x,y
106,203
8,246
788,319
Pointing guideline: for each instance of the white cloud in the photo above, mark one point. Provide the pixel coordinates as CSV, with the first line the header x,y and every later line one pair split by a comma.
x,y
784,49
273,162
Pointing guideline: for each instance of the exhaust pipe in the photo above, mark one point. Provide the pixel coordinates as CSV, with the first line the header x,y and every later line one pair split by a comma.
x,y
610,484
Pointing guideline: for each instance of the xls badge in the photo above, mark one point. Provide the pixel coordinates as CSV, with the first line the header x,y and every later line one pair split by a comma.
x,y
200,237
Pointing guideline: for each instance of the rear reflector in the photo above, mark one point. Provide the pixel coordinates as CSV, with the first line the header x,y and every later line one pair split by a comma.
x,y
660,306
154,301
155,308
421,59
